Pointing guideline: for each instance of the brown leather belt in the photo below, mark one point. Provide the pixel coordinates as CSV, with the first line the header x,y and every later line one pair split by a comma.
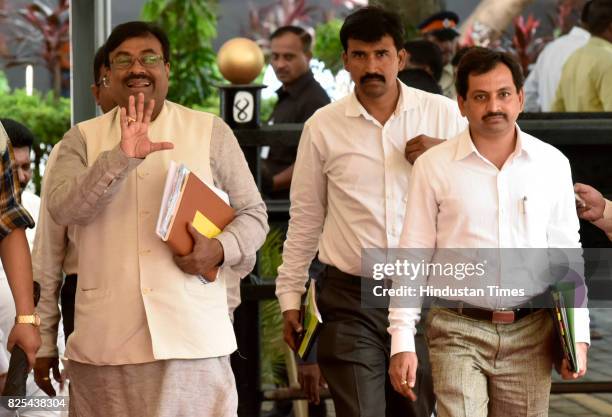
x,y
502,316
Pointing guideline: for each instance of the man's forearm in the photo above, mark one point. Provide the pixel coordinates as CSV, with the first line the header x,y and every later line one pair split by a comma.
x,y
282,180
17,262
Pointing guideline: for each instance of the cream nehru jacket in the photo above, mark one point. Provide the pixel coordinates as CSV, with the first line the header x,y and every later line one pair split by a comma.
x,y
133,304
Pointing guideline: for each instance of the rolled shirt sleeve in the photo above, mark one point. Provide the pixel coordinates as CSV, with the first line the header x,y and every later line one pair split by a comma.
x,y
308,209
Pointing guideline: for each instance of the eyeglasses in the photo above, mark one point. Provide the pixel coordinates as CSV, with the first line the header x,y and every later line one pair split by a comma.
x,y
125,61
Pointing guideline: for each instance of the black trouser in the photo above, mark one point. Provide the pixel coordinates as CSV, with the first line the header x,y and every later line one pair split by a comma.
x,y
67,296
354,348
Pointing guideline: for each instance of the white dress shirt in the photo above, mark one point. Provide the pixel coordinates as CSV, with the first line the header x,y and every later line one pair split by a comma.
x,y
458,199
350,182
541,83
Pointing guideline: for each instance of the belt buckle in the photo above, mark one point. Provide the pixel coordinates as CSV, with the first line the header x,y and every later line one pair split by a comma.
x,y
503,317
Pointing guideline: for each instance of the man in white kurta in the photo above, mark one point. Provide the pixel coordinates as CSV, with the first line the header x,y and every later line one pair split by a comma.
x,y
143,318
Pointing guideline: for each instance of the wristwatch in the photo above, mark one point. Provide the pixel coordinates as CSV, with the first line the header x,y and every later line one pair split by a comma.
x,y
33,319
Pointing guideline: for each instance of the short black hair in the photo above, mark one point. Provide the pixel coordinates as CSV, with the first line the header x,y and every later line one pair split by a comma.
x,y
19,135
459,54
296,30
98,63
426,53
598,16
479,60
370,24
584,15
135,29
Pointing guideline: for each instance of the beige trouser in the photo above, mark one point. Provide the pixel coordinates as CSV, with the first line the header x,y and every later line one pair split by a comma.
x,y
168,388
483,369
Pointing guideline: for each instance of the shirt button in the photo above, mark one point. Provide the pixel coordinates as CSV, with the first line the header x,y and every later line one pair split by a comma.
x,y
146,291
144,252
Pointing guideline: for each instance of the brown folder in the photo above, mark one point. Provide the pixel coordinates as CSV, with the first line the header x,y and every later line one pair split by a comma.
x,y
201,206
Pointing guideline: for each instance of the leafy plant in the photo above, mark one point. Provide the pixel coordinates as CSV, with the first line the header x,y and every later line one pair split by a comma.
x,y
524,40
267,107
270,254
327,46
210,105
272,356
4,87
47,27
192,58
45,115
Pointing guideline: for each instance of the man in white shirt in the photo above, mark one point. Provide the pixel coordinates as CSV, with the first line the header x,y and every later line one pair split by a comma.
x,y
472,192
541,83
348,193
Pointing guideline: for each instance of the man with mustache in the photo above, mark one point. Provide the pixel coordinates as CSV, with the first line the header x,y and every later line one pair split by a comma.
x,y
493,186
145,319
348,193
298,98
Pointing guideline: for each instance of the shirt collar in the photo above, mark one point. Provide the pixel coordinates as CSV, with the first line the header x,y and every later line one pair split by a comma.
x,y
297,86
578,32
465,145
407,100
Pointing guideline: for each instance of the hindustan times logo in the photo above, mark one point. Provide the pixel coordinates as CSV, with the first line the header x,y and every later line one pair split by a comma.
x,y
412,270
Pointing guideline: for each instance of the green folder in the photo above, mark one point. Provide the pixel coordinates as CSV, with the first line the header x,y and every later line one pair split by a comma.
x,y
563,316
311,322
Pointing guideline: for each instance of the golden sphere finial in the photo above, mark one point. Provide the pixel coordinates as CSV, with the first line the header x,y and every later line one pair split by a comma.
x,y
240,60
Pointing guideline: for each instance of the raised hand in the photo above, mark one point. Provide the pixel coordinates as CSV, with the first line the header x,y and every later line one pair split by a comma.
x,y
135,142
